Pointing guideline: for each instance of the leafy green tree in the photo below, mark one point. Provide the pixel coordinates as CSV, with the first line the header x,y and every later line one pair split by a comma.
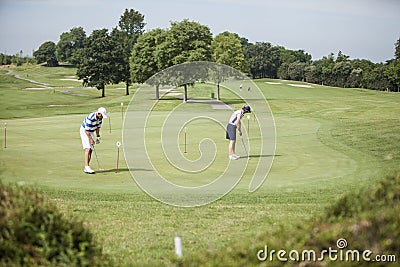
x,y
157,50
97,67
342,57
397,49
143,61
293,64
283,71
324,67
296,71
341,73
393,70
46,53
17,59
366,66
312,74
227,49
185,41
262,59
290,56
344,72
355,78
118,60
4,59
130,27
393,73
376,79
69,45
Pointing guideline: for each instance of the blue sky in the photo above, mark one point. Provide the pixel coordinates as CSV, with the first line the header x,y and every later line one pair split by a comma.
x,y
359,28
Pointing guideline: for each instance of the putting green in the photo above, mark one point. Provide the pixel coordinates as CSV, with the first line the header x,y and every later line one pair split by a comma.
x,y
47,152
303,158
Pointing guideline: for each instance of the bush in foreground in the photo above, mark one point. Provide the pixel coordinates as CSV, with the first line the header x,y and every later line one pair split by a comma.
x,y
35,233
365,220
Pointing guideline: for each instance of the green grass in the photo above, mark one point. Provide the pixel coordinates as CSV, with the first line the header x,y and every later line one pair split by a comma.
x,y
23,99
329,142
366,220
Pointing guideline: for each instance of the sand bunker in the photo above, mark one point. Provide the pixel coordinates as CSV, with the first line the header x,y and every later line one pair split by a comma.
x,y
300,85
273,83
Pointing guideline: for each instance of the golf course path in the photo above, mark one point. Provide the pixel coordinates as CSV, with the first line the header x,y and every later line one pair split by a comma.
x,y
45,85
10,72
214,103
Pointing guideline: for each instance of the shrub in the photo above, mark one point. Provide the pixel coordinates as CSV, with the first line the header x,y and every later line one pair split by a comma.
x,y
384,194
367,220
35,233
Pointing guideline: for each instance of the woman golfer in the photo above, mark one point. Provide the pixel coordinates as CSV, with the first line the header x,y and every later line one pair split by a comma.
x,y
90,124
235,123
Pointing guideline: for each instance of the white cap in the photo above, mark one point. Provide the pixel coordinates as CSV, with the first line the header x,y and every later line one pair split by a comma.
x,y
102,111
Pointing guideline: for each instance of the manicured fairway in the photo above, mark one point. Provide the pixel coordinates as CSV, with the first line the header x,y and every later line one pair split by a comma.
x,y
329,142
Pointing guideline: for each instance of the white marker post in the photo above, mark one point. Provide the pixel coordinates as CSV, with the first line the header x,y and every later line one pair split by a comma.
x,y
118,145
178,247
5,135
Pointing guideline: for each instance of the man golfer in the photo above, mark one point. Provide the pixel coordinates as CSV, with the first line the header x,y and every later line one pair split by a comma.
x,y
91,123
233,124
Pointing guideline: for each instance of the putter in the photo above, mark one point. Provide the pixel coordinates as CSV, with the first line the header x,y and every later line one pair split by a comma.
x,y
98,163
245,149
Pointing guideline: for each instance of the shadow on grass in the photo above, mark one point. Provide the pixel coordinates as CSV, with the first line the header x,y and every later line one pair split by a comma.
x,y
259,156
124,170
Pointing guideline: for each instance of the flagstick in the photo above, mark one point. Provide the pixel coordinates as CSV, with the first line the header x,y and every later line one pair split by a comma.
x,y
118,145
109,122
248,125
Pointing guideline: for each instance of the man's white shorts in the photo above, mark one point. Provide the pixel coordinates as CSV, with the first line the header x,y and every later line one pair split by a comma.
x,y
85,138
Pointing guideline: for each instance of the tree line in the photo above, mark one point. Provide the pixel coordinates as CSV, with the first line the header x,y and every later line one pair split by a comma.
x,y
16,59
129,54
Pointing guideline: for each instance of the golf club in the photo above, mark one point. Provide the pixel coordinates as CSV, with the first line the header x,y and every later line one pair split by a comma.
x,y
98,163
245,149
